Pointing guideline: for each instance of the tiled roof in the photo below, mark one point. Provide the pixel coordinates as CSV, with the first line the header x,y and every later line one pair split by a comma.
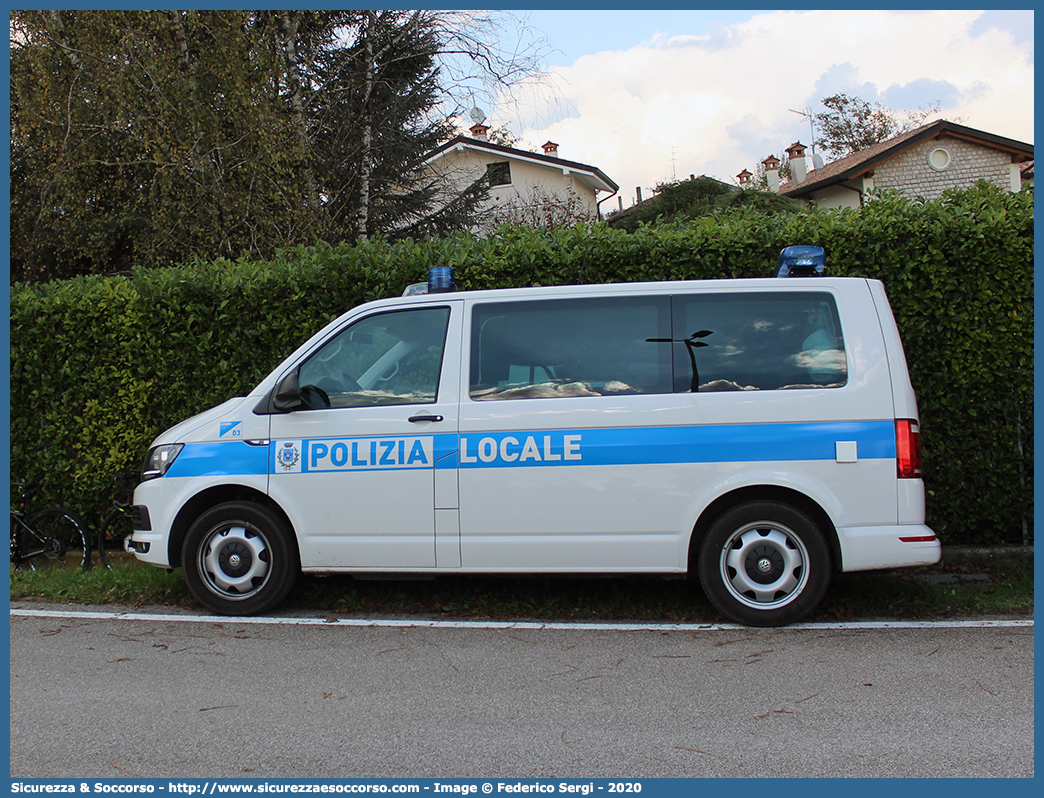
x,y
859,163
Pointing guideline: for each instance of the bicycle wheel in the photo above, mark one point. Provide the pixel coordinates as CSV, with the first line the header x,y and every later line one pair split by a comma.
x,y
114,529
61,541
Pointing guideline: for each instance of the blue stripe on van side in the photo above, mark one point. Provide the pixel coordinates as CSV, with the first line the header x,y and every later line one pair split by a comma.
x,y
631,446
219,458
702,444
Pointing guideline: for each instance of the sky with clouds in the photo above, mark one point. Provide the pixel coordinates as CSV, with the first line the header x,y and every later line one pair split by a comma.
x,y
650,96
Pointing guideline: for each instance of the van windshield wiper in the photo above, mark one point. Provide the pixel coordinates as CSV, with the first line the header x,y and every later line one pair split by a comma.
x,y
690,345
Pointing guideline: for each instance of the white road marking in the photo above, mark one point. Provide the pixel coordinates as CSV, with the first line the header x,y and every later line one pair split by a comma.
x,y
579,626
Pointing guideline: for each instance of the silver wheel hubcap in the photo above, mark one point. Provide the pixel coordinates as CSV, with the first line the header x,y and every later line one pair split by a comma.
x,y
234,560
764,565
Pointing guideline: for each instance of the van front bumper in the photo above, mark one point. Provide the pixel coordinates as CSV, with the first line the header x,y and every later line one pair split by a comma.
x,y
135,547
148,547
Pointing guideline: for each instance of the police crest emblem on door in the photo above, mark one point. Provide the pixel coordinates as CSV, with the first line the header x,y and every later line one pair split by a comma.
x,y
288,457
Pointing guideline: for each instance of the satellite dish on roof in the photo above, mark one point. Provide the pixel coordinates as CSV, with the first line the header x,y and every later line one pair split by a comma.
x,y
478,116
817,161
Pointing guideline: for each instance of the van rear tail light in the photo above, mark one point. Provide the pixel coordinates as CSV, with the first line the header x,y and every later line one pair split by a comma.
x,y
908,448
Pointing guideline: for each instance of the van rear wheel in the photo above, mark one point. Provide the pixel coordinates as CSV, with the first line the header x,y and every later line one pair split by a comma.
x,y
239,558
764,563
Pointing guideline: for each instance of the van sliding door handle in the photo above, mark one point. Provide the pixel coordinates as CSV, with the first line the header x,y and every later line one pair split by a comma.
x,y
425,417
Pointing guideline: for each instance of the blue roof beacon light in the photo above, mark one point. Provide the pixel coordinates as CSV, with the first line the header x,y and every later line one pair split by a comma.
x,y
440,280
801,261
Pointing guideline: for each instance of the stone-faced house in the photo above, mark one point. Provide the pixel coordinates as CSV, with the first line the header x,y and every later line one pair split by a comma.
x,y
524,186
922,163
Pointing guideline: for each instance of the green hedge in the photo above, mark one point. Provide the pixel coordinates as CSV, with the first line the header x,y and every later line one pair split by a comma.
x,y
101,365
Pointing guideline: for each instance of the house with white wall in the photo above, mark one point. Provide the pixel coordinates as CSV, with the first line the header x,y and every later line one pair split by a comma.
x,y
527,187
923,162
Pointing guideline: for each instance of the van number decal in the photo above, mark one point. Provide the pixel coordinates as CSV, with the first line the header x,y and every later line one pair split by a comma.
x,y
232,429
354,454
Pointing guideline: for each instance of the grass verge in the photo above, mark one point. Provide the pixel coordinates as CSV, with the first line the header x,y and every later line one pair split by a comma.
x,y
1000,588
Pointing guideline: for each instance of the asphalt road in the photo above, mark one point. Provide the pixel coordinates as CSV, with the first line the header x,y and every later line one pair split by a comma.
x,y
159,697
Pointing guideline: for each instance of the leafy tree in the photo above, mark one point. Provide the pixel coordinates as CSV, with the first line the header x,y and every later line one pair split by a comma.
x,y
300,38
502,136
540,208
374,124
146,137
156,137
851,124
684,200
405,65
760,200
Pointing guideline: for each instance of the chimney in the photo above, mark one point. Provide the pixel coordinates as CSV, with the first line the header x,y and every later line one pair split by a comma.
x,y
638,194
744,178
798,167
479,131
771,165
551,149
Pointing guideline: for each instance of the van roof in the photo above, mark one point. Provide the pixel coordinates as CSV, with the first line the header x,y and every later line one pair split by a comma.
x,y
609,289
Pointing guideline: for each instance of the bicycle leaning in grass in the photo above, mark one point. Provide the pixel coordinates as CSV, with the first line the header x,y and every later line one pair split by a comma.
x,y
118,523
52,538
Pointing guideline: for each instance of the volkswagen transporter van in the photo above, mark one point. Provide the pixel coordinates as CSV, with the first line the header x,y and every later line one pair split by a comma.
x,y
758,433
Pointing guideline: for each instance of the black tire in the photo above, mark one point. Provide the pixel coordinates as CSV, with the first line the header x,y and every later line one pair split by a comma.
x,y
64,541
764,563
240,558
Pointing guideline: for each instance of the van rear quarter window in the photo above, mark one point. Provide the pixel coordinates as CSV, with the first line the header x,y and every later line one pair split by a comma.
x,y
758,342
629,345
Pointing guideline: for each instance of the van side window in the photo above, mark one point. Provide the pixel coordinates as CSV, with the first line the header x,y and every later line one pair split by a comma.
x,y
387,359
570,347
757,341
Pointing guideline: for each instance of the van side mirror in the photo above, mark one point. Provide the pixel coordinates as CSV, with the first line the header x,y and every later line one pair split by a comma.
x,y
287,393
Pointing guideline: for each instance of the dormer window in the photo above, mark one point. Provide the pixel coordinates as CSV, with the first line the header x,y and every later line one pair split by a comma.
x,y
499,173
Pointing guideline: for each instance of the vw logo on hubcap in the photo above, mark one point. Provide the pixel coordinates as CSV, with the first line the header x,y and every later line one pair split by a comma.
x,y
233,561
764,565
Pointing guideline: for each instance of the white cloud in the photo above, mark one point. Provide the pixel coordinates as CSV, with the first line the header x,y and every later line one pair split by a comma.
x,y
719,103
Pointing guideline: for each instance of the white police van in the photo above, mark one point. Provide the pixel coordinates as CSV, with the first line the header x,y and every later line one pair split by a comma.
x,y
758,432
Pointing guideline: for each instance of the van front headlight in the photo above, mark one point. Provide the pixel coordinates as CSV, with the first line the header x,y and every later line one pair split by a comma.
x,y
160,458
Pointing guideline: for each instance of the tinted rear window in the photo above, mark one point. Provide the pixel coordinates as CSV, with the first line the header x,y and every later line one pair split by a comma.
x,y
571,347
764,341
629,345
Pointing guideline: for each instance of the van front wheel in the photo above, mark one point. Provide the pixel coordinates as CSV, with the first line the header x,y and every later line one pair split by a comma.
x,y
239,558
764,563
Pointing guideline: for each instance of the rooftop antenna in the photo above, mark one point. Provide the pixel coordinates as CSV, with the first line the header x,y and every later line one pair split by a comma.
x,y
807,113
674,171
